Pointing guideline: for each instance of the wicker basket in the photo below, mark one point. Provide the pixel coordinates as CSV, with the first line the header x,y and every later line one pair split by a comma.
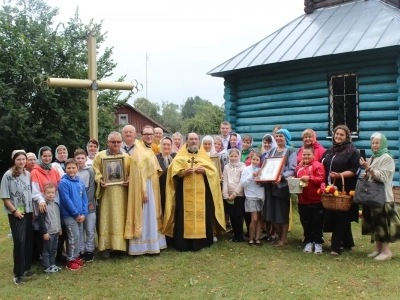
x,y
338,203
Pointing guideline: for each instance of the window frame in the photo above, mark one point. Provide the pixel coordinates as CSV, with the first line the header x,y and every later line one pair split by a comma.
x,y
354,134
123,115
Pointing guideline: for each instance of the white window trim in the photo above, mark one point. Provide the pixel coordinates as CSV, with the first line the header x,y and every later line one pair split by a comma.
x,y
119,119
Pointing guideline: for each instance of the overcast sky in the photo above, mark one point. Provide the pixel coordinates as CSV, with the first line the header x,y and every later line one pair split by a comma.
x,y
184,39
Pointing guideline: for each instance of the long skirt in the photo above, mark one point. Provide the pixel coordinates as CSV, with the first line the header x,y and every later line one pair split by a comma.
x,y
382,223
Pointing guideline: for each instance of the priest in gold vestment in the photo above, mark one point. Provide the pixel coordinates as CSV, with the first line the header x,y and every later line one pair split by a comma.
x,y
112,198
194,210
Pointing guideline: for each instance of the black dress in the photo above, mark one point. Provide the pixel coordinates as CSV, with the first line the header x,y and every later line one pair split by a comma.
x,y
163,178
339,222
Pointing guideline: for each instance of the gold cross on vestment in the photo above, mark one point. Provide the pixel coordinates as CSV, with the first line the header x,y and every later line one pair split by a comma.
x,y
192,162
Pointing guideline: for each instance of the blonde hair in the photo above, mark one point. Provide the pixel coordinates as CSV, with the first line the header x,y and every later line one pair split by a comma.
x,y
308,131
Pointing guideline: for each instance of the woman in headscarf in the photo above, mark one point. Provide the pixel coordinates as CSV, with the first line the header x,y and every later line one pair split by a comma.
x,y
30,161
165,158
341,159
309,138
43,173
277,206
381,223
17,198
177,142
208,145
268,143
92,148
61,154
235,141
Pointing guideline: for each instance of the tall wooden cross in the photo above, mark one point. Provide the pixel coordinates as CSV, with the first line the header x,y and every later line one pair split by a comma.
x,y
93,85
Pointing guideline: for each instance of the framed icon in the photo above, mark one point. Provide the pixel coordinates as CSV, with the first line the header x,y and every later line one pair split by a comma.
x,y
113,170
217,163
271,169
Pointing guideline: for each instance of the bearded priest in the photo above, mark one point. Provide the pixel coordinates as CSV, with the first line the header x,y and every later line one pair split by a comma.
x,y
194,211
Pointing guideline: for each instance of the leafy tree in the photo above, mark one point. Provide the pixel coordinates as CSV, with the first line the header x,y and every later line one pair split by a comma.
x,y
191,106
148,108
171,116
206,121
32,115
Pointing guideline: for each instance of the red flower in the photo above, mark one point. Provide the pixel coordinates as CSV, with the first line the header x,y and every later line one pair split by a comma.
x,y
332,190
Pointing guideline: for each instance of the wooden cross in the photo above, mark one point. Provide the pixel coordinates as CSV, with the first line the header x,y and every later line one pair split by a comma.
x,y
93,85
192,162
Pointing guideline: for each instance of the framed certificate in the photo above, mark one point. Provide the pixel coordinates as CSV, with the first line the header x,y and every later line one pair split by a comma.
x,y
113,170
271,169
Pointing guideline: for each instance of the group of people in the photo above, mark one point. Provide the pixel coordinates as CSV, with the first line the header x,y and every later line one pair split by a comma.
x,y
141,196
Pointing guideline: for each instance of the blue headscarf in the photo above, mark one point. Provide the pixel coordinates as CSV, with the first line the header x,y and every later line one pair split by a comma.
x,y
287,135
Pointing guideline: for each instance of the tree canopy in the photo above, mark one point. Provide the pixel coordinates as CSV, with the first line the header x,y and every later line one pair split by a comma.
x,y
196,114
31,45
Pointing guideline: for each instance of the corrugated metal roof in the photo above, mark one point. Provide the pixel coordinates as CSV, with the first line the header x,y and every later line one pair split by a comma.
x,y
349,27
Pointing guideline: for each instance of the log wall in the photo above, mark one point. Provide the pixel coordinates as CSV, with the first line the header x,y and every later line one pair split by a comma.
x,y
296,95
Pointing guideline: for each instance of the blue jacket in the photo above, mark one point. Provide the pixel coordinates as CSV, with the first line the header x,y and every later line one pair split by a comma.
x,y
73,199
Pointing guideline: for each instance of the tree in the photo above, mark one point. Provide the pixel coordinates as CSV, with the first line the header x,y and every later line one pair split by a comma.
x,y
148,108
171,116
191,106
206,121
31,115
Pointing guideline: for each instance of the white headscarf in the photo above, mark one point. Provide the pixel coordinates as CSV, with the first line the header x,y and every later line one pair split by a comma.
x,y
273,145
209,138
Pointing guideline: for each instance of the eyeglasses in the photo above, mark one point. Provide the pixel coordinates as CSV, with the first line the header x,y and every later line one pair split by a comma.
x,y
115,142
148,134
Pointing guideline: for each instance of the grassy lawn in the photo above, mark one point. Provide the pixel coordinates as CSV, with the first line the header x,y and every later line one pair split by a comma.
x,y
225,271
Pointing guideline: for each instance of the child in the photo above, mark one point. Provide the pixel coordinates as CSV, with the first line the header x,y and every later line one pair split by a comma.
x,y
92,148
247,150
232,193
74,208
219,146
254,197
50,228
86,174
312,173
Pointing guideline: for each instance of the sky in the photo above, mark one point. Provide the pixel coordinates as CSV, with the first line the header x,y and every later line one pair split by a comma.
x,y
183,39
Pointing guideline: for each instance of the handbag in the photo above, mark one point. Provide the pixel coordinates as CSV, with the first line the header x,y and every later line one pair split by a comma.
x,y
370,193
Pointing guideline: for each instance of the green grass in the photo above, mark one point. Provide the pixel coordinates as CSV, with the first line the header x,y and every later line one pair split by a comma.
x,y
225,271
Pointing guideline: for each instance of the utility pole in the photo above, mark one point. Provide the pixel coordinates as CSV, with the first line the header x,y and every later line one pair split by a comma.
x,y
147,86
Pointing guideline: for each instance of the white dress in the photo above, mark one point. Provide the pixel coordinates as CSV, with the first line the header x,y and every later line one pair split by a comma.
x,y
151,241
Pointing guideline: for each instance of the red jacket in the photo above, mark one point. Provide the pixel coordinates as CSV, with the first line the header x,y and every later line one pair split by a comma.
x,y
316,172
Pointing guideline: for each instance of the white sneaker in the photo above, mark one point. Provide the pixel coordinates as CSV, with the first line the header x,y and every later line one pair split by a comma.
x,y
215,239
308,248
318,249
